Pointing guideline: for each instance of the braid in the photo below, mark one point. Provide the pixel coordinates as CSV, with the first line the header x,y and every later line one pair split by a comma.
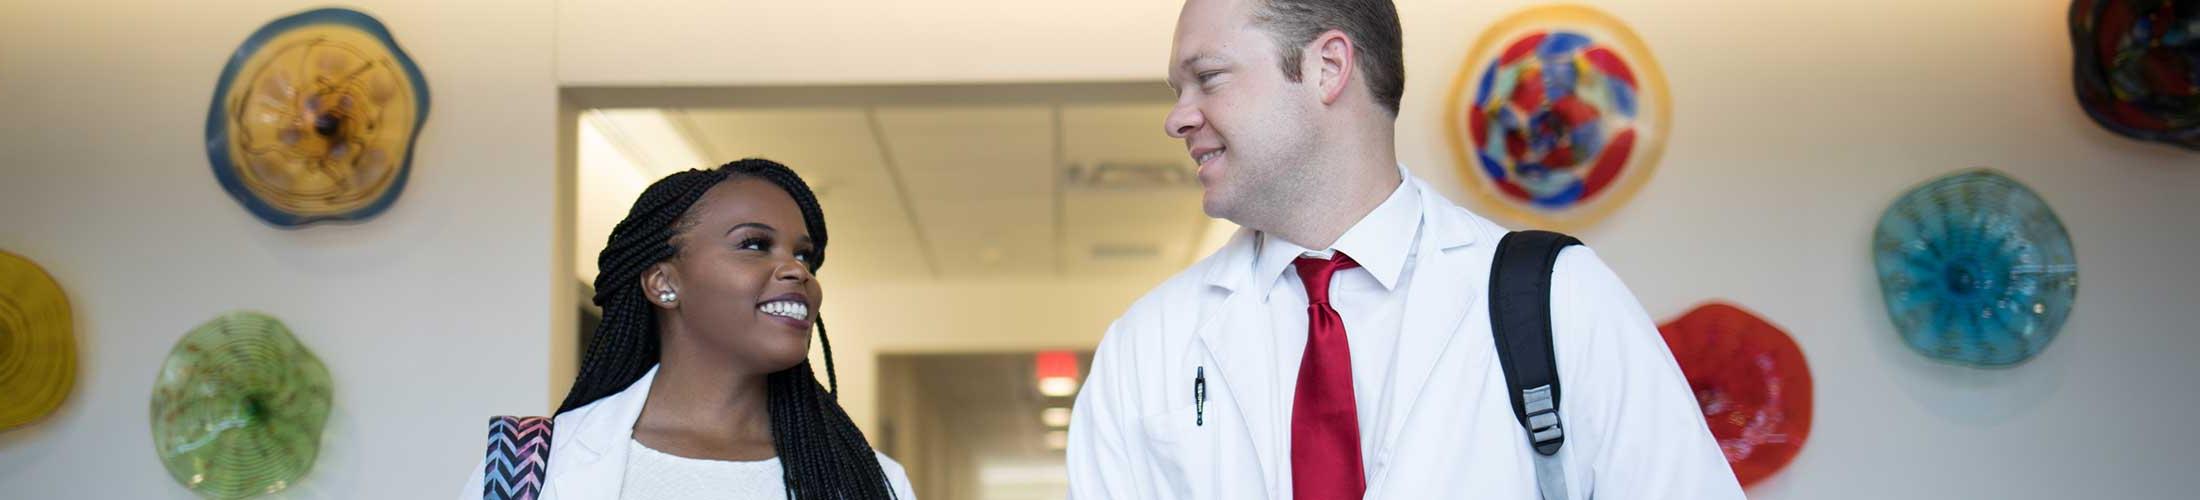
x,y
823,455
832,379
625,344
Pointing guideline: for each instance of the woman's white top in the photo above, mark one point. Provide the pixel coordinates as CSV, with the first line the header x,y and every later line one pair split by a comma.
x,y
656,475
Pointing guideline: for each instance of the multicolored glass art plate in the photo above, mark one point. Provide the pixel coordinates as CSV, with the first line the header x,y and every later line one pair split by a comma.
x,y
1558,116
2137,67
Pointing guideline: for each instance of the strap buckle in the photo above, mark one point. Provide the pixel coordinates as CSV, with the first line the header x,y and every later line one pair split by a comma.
x,y
1543,429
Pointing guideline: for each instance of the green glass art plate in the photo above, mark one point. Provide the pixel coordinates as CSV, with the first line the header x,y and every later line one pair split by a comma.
x,y
239,406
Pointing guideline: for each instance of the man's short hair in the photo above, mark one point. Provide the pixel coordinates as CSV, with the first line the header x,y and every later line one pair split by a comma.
x,y
1372,25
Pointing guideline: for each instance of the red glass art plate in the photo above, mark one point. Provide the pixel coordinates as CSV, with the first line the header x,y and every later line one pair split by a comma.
x,y
1752,382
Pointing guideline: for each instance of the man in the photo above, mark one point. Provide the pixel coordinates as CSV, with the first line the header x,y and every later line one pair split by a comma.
x,y
1340,345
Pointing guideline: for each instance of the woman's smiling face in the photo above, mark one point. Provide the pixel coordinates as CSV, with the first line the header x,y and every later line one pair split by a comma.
x,y
742,276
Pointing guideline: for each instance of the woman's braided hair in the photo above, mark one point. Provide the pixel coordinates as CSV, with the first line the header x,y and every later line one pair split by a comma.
x,y
823,454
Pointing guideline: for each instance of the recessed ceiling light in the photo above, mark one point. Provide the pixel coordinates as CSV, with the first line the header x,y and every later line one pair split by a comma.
x,y
1057,440
1055,417
1058,387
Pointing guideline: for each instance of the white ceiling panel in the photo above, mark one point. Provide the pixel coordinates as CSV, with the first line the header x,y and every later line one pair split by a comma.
x,y
1120,133
955,192
981,181
650,140
1132,204
971,152
995,236
832,148
1129,232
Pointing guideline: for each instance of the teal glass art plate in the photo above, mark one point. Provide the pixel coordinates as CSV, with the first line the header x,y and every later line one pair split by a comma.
x,y
1975,269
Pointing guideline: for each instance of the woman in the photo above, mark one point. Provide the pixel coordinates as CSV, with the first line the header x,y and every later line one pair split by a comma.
x,y
697,384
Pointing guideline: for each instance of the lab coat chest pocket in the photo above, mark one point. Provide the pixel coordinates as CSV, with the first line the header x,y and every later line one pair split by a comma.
x,y
1186,440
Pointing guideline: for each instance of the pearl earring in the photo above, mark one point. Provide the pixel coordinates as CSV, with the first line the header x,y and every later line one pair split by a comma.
x,y
667,296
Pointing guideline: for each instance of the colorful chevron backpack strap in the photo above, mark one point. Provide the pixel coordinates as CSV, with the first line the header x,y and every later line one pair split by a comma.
x,y
519,458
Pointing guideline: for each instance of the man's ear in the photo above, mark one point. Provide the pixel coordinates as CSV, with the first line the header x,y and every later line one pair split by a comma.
x,y
1333,66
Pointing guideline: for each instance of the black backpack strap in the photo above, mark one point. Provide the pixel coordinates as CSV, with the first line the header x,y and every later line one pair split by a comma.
x,y
1520,322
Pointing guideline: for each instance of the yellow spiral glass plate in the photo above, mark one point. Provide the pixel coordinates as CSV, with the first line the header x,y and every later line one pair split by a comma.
x,y
37,343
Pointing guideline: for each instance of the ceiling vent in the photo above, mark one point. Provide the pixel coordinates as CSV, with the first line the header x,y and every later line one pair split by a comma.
x,y
1125,251
1129,176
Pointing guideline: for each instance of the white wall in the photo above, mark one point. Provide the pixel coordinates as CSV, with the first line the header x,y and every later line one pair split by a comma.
x,y
759,42
430,318
1795,124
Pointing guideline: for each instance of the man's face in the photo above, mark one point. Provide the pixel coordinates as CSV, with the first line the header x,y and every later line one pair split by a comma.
x,y
1246,125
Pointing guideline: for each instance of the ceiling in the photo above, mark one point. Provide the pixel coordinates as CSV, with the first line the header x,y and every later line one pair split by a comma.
x,y
930,192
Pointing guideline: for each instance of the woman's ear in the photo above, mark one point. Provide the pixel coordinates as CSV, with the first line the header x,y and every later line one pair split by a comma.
x,y
660,285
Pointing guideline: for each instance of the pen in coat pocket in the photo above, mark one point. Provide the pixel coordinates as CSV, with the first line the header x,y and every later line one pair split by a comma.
x,y
1199,397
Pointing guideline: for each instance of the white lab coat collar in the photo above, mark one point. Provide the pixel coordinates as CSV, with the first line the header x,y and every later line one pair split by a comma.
x,y
1240,260
595,435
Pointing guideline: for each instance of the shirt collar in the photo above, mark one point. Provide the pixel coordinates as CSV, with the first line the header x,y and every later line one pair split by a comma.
x,y
1380,241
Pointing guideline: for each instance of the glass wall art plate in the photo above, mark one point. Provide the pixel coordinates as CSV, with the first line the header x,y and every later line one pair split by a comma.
x,y
314,119
1752,382
37,343
1557,117
2137,67
238,407
1975,269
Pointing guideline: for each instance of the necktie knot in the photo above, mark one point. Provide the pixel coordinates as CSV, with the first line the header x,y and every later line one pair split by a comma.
x,y
1315,273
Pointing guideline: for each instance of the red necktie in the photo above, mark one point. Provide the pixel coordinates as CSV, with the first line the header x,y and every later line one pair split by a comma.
x,y
1325,424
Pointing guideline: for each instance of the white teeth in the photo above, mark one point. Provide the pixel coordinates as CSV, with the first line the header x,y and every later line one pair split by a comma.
x,y
786,309
1210,155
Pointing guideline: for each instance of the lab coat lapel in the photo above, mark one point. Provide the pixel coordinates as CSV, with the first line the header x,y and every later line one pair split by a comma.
x,y
1237,336
1443,290
590,461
